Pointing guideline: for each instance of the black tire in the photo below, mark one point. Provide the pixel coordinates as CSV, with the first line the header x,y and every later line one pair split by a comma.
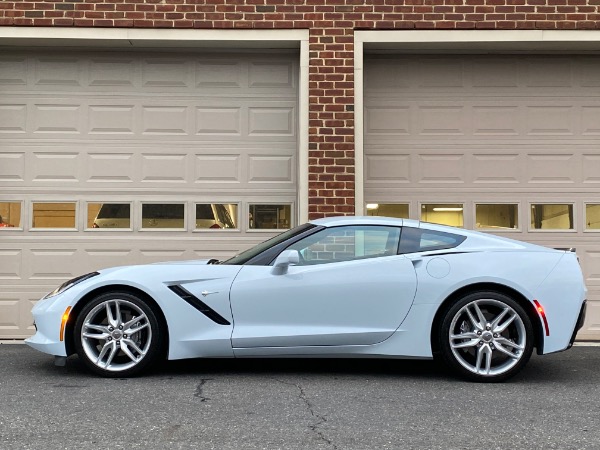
x,y
491,344
121,344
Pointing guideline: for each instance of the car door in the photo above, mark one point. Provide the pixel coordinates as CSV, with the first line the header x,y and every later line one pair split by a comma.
x,y
350,287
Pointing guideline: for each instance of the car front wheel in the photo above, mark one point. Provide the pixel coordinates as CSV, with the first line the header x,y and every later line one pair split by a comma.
x,y
117,334
486,336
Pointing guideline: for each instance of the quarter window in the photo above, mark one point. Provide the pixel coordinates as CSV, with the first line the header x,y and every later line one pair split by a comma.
x,y
347,243
419,240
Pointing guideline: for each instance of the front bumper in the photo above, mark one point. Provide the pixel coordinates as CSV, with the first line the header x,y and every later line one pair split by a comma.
x,y
47,315
579,323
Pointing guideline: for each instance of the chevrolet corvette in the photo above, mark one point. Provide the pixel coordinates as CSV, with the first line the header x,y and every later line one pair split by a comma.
x,y
344,287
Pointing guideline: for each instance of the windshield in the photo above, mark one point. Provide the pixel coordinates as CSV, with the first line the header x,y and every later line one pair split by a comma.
x,y
247,255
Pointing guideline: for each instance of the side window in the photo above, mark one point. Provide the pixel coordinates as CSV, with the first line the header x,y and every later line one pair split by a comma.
x,y
419,240
348,243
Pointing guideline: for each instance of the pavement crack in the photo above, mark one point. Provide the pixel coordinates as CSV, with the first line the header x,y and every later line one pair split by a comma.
x,y
200,390
320,419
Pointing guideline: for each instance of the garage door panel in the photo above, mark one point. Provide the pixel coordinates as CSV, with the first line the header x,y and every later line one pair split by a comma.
x,y
472,130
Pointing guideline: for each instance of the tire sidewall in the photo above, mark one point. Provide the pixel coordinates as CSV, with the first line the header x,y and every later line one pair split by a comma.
x,y
156,340
444,342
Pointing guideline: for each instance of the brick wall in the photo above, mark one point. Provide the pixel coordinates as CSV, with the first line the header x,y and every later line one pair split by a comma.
x,y
331,24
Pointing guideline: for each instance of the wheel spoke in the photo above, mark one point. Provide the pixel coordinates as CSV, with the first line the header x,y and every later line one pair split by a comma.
x,y
109,315
473,320
467,335
482,319
135,330
141,317
504,341
103,352
484,352
126,350
114,350
100,337
469,343
499,318
501,348
118,317
506,323
91,326
135,347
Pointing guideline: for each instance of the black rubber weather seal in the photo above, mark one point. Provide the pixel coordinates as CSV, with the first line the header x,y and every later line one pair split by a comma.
x,y
199,305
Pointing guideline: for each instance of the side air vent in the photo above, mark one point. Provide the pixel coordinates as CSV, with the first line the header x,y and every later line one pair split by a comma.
x,y
199,305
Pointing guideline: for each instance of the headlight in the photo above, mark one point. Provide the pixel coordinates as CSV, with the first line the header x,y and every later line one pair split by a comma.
x,y
69,284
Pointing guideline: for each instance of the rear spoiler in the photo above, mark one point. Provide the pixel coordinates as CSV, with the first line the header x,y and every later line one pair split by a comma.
x,y
566,249
570,249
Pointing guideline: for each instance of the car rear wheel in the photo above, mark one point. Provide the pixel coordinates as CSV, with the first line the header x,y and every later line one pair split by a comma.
x,y
117,334
486,336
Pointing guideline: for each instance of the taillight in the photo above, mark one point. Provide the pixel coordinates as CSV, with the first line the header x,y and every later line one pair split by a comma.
x,y
540,309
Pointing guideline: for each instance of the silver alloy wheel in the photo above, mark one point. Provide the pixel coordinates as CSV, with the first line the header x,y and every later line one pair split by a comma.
x,y
116,335
487,337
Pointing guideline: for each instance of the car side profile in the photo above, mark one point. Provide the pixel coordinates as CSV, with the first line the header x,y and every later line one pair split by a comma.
x,y
338,287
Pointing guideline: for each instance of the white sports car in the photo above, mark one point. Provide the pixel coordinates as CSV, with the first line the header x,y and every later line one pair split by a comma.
x,y
338,287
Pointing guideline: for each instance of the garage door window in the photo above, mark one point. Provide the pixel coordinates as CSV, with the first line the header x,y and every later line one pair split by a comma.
x,y
497,216
163,215
10,215
109,216
48,215
399,210
552,217
270,217
216,216
445,214
592,216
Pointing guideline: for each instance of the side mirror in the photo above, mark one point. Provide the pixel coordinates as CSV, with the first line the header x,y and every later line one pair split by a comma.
x,y
285,259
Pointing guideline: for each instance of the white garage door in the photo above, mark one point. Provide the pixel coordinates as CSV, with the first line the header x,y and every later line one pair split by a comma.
x,y
507,144
117,158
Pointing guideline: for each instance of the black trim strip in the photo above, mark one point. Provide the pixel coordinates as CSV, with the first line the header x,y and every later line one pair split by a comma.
x,y
199,305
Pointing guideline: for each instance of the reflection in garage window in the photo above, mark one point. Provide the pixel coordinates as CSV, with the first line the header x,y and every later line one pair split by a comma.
x,y
10,215
163,215
552,217
592,217
497,216
54,215
270,217
399,210
109,215
216,215
445,214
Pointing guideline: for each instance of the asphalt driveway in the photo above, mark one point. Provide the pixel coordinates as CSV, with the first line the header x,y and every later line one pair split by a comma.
x,y
298,404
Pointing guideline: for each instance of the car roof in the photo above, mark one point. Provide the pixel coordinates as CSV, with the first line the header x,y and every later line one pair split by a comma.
x,y
364,220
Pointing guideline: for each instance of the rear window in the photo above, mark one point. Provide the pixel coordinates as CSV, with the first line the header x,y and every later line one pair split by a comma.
x,y
417,240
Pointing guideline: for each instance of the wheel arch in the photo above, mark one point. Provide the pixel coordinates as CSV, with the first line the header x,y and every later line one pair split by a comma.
x,y
528,307
70,326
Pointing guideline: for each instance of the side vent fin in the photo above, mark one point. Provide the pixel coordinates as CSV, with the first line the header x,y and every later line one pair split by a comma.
x,y
199,304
